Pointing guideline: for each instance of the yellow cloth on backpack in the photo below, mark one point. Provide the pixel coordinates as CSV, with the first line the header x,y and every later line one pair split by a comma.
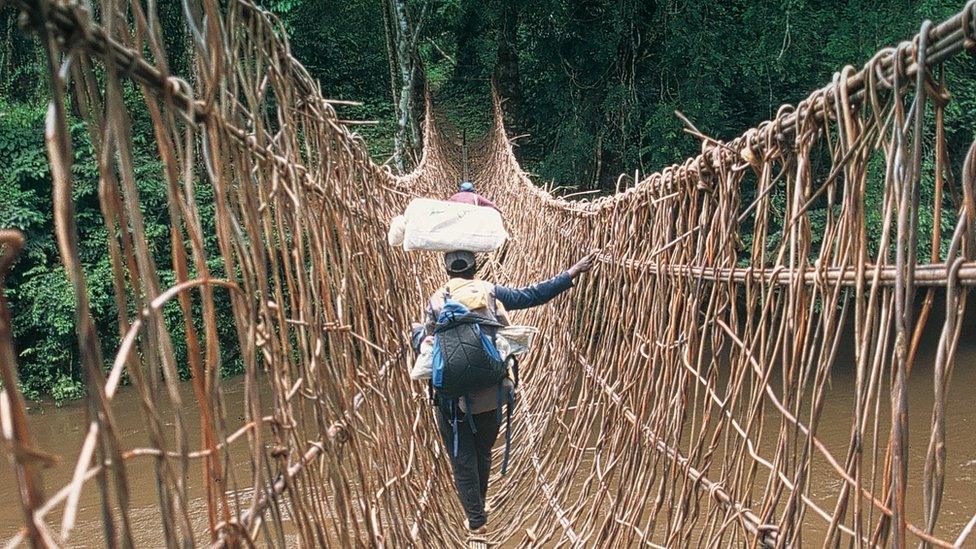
x,y
473,294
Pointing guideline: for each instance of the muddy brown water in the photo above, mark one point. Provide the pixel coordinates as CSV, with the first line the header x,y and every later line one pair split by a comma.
x,y
62,430
834,430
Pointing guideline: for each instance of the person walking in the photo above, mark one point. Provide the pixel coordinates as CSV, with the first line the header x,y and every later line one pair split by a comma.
x,y
467,195
469,424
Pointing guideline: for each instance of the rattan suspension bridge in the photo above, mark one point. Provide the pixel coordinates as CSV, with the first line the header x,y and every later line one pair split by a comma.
x,y
674,401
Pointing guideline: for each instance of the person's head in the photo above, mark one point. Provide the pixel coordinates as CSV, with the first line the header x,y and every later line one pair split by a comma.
x,y
460,264
466,187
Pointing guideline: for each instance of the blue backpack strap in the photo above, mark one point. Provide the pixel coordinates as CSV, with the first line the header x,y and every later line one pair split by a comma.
x,y
437,363
498,407
508,431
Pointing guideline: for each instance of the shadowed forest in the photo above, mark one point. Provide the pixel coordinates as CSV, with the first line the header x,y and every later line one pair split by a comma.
x,y
590,89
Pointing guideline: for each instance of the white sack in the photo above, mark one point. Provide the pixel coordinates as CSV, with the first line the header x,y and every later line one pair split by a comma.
x,y
423,367
397,228
439,226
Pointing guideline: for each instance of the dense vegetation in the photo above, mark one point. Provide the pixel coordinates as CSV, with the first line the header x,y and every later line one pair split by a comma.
x,y
593,83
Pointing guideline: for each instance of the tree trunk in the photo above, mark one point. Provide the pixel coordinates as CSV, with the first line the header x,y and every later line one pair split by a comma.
x,y
403,60
405,37
391,52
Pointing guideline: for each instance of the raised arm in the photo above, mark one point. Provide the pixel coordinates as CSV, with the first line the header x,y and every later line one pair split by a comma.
x,y
532,296
538,294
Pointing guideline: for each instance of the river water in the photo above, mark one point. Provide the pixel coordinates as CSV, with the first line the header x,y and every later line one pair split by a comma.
x,y
61,431
834,430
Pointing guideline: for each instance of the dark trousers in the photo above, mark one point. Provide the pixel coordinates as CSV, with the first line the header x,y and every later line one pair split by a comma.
x,y
472,465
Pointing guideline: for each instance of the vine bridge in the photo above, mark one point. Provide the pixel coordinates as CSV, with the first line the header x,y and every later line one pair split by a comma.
x,y
674,400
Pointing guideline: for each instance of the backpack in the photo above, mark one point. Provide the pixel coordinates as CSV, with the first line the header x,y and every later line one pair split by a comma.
x,y
465,361
465,358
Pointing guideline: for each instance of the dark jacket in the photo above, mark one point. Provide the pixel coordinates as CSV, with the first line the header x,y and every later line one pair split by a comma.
x,y
539,294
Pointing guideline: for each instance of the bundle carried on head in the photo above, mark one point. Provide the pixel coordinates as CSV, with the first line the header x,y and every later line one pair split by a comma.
x,y
441,226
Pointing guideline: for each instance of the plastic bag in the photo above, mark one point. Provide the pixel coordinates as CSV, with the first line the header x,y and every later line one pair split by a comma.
x,y
514,340
440,226
423,367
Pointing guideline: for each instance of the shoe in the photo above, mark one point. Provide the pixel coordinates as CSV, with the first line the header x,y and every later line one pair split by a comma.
x,y
479,531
